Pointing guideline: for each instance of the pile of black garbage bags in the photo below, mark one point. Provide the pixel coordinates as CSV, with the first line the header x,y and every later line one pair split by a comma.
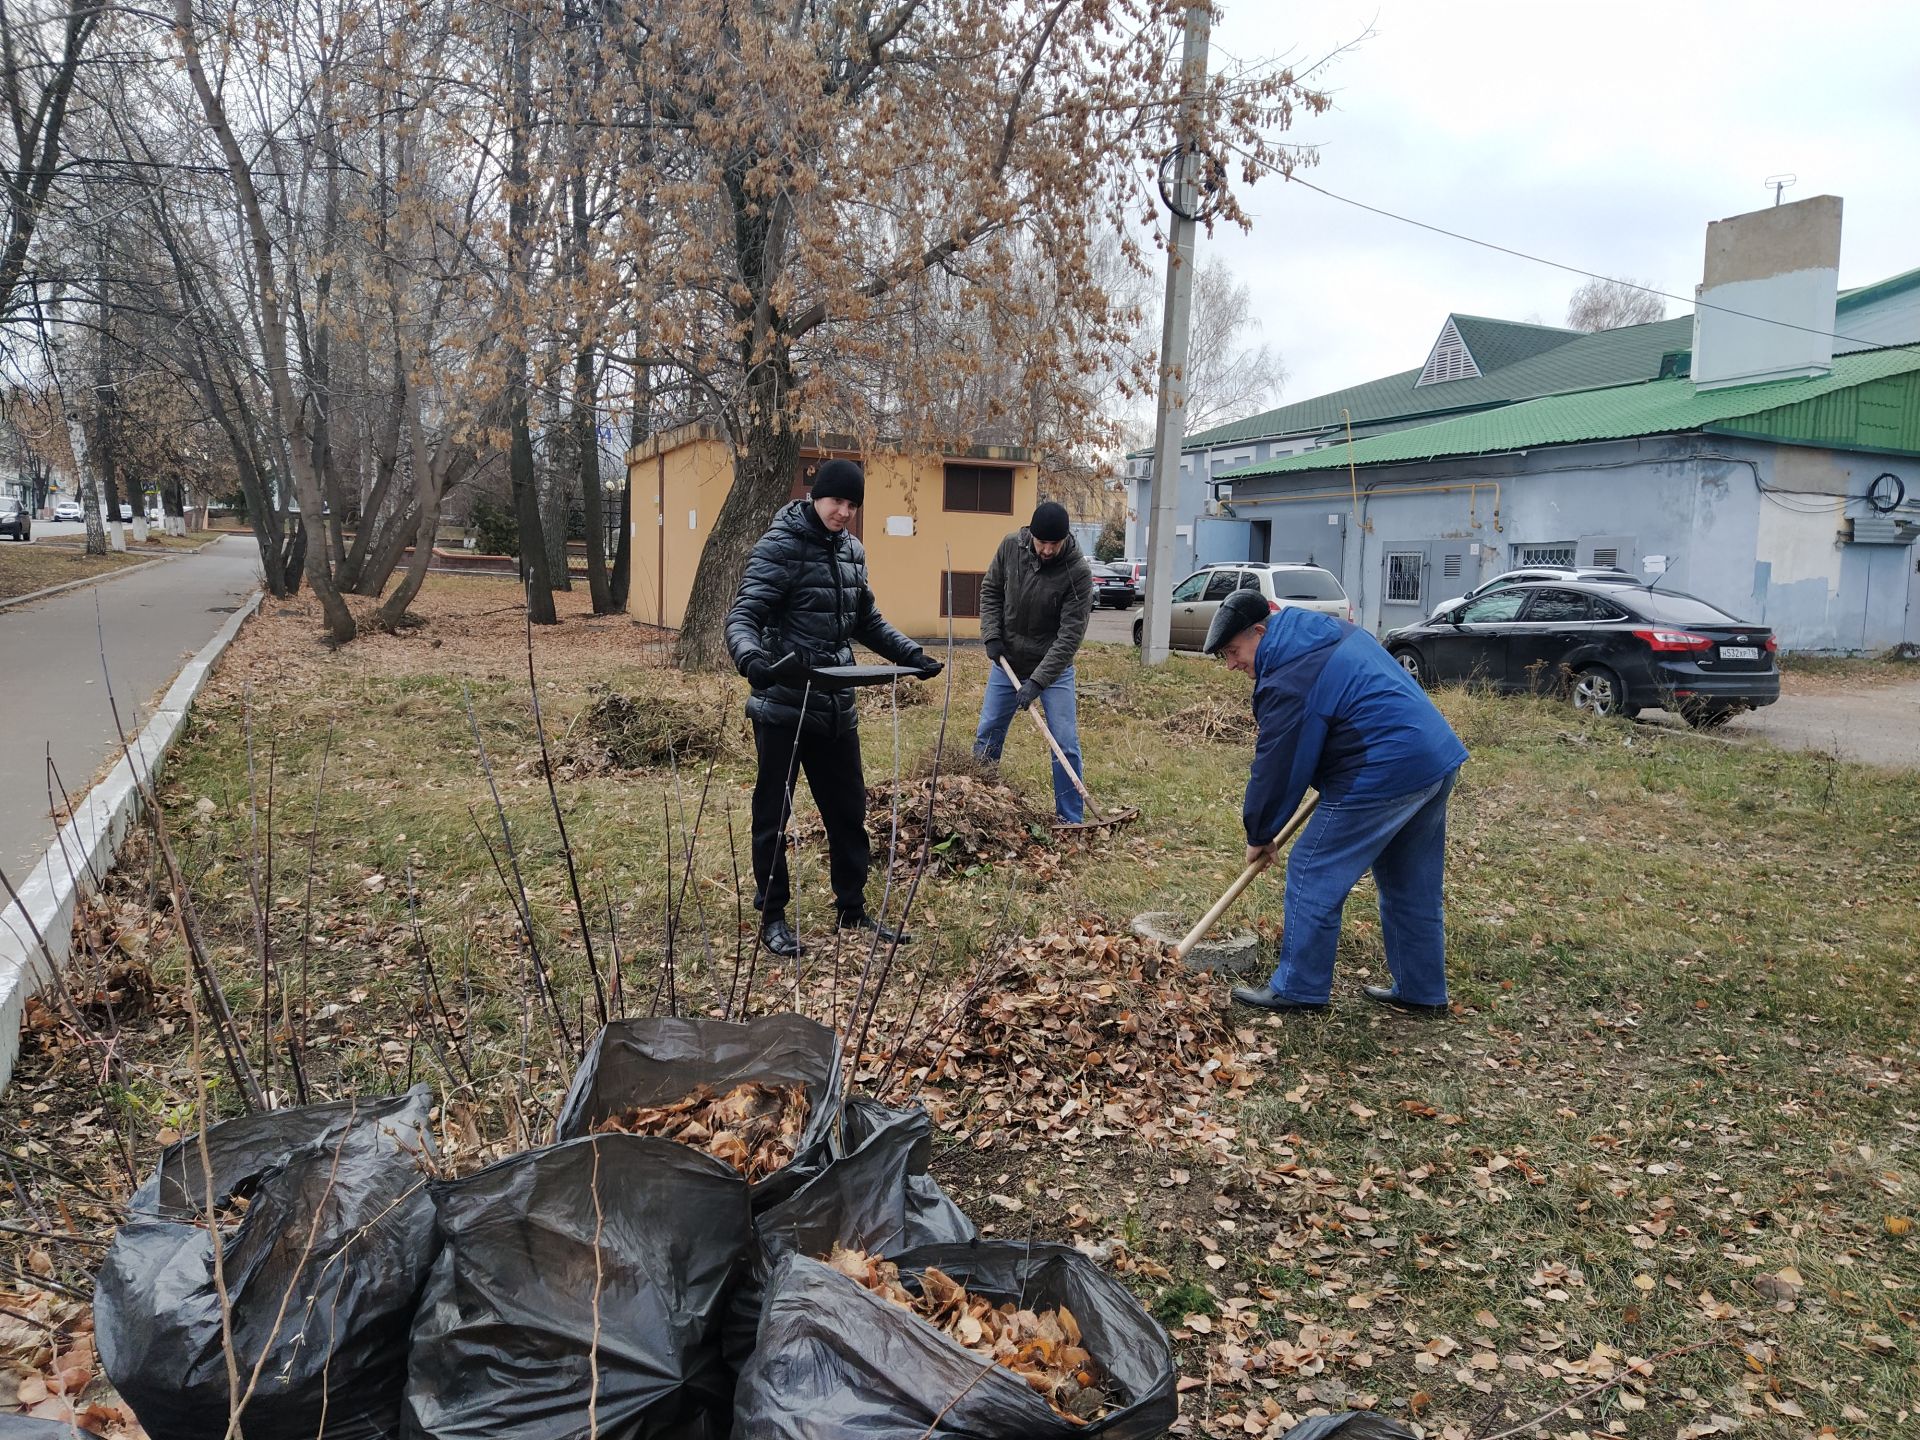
x,y
616,1286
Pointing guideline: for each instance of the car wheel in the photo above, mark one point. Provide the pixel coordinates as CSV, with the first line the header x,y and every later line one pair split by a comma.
x,y
1598,691
1409,661
1140,631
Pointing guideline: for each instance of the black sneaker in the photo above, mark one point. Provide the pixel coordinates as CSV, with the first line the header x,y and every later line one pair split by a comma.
x,y
861,920
1264,999
779,938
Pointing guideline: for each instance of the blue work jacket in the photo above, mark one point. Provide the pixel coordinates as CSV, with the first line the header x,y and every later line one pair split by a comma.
x,y
1337,713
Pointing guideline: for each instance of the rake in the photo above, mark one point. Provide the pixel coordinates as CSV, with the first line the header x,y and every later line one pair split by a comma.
x,y
1100,821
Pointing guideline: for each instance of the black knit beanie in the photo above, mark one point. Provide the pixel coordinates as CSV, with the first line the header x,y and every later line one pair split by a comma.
x,y
840,479
1049,522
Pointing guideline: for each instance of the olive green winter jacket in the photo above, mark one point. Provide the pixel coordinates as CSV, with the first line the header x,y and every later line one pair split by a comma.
x,y
1036,608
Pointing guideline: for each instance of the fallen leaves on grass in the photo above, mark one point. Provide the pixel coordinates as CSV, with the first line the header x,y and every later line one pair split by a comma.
x,y
658,726
754,1127
975,820
46,1345
1212,722
1042,1347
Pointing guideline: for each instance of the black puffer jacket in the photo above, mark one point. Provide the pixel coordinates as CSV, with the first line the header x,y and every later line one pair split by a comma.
x,y
806,593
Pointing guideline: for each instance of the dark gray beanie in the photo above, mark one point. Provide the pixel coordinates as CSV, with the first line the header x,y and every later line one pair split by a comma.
x,y
1049,521
840,479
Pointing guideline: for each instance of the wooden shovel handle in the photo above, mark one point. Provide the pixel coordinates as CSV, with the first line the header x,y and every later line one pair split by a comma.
x,y
1052,744
1212,917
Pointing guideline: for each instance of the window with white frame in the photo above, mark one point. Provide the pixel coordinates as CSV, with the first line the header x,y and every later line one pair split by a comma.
x,y
1556,553
1403,577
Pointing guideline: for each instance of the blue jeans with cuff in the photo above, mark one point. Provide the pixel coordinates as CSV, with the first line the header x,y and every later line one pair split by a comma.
x,y
1061,710
1404,842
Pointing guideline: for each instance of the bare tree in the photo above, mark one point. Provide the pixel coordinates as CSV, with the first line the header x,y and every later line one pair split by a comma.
x,y
1611,304
42,48
1229,375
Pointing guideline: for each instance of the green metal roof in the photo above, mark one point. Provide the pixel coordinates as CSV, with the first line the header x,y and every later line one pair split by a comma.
x,y
1870,400
1496,344
1879,290
1582,362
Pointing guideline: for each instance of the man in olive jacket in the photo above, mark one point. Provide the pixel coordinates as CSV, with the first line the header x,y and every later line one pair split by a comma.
x,y
1035,600
803,600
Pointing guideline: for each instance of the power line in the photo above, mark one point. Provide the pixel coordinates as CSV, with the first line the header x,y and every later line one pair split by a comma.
x,y
1698,304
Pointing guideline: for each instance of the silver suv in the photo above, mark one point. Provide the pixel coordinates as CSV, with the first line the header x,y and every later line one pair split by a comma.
x,y
1196,598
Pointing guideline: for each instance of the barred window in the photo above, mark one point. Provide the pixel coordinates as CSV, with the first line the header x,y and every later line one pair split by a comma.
x,y
1403,577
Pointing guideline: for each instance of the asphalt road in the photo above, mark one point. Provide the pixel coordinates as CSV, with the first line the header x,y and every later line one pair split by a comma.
x,y
153,620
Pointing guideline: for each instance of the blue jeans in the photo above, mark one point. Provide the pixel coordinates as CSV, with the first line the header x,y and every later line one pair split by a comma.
x,y
1404,842
1062,713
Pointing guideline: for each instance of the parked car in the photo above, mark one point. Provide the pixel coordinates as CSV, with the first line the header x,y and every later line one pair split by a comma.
x,y
1592,575
69,510
1612,649
1199,595
1114,586
14,520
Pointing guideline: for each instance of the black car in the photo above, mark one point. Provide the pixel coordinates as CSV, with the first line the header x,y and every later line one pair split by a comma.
x,y
1613,649
14,519
1115,586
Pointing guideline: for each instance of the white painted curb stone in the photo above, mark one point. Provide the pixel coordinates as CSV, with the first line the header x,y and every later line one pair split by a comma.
x,y
83,850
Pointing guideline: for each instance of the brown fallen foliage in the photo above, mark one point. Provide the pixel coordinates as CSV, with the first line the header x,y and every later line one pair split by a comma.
x,y
656,726
1087,1034
754,1127
46,1349
1042,1347
975,819
877,701
1212,722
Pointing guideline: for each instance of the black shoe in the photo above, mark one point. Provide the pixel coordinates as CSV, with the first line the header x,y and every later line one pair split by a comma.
x,y
861,920
779,938
1265,999
1384,994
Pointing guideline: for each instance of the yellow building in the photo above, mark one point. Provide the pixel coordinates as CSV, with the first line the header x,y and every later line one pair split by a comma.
x,y
918,510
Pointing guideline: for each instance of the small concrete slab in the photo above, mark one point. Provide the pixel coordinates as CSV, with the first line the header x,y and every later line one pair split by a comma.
x,y
1236,952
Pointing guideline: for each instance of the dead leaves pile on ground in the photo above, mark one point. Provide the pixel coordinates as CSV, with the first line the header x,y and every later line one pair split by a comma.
x,y
1212,722
46,1345
1086,1034
754,1127
652,727
976,821
877,701
1042,1347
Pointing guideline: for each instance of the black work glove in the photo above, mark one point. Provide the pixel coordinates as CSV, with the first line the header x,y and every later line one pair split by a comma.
x,y
927,666
994,651
764,675
1029,692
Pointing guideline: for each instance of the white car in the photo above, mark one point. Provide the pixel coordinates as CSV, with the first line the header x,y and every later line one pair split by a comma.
x,y
1585,575
1195,598
69,510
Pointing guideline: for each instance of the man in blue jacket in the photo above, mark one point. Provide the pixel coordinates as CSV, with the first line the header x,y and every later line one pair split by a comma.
x,y
1337,713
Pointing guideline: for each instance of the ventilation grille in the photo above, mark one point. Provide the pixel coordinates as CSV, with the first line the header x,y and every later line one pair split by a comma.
x,y
1450,567
1450,360
1606,559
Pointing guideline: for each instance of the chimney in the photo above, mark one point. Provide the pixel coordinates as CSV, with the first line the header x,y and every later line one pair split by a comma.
x,y
1782,265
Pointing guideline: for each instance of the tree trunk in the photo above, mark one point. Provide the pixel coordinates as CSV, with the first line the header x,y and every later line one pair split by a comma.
x,y
762,480
586,432
273,326
426,490
354,572
393,544
103,409
526,497
556,515
620,585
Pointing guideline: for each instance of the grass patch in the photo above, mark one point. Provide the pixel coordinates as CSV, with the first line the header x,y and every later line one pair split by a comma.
x,y
27,568
1673,1117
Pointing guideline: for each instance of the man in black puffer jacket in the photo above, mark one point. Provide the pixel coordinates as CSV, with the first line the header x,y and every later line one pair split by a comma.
x,y
802,602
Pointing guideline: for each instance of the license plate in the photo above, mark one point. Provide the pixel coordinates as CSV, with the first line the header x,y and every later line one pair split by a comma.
x,y
1739,652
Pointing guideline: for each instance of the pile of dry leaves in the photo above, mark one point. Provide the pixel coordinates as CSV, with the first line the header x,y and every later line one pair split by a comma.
x,y
1086,1033
665,723
975,819
1212,722
754,1127
878,700
1042,1347
46,1344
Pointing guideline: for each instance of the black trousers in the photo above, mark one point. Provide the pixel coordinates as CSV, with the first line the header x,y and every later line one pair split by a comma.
x,y
832,766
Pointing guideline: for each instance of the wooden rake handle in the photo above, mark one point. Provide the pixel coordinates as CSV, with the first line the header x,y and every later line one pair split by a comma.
x,y
1052,744
1212,917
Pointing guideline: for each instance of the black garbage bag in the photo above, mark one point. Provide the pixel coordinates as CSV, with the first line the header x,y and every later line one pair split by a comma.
x,y
504,1345
659,1060
1350,1425
877,1197
322,1273
834,1359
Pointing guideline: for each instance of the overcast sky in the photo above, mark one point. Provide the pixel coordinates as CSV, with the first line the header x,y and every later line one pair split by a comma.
x,y
1602,135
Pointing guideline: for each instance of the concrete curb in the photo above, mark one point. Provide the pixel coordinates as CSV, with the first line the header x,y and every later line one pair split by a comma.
x,y
102,578
83,851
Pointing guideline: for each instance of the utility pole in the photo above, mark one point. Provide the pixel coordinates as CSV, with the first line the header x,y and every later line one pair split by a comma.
x,y
1181,192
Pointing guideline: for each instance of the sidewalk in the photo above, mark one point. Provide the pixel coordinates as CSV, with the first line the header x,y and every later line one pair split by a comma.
x,y
153,618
